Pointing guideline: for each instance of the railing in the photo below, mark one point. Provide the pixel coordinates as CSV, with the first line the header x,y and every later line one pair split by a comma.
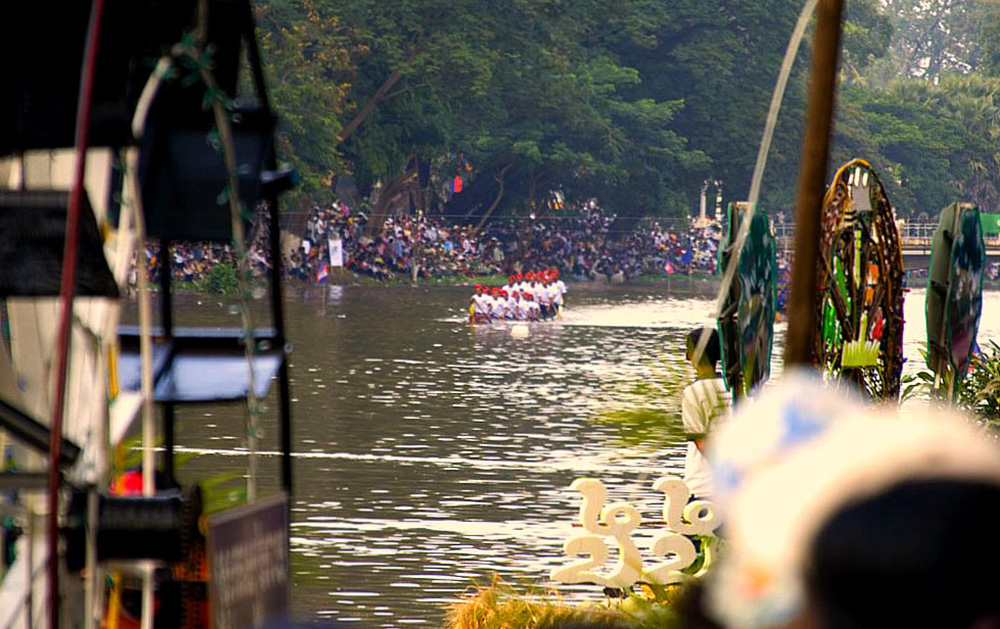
x,y
911,235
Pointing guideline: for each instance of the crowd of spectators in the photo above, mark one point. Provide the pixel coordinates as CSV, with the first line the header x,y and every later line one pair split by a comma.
x,y
584,247
193,261
589,246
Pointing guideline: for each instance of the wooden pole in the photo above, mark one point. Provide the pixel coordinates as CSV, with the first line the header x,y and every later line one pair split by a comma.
x,y
812,183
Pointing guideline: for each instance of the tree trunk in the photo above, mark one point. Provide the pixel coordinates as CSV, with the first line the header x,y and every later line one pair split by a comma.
x,y
387,197
531,192
501,179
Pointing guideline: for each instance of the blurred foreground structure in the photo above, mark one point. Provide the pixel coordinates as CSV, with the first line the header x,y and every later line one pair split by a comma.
x,y
151,140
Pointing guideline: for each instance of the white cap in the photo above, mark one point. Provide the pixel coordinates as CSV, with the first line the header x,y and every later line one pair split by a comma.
x,y
794,461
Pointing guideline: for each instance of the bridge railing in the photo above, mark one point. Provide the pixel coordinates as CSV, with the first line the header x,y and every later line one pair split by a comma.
x,y
911,235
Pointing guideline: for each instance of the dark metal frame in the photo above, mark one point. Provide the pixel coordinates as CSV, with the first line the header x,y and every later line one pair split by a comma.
x,y
270,194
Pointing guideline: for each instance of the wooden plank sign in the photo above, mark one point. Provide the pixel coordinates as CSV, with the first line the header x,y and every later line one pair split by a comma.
x,y
248,564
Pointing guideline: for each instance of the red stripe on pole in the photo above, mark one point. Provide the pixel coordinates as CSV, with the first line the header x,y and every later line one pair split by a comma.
x,y
66,294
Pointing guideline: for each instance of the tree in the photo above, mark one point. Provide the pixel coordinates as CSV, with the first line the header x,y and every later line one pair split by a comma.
x,y
867,35
530,89
936,143
934,37
305,55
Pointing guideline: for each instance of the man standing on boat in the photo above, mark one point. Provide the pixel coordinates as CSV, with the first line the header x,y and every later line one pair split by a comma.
x,y
560,290
703,404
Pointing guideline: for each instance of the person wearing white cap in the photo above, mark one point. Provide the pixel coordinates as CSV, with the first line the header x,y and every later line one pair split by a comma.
x,y
839,515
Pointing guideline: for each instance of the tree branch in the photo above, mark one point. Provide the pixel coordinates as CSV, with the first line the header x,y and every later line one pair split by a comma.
x,y
403,90
380,95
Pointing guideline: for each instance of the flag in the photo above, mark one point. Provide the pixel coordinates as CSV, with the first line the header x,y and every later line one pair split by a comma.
x,y
322,273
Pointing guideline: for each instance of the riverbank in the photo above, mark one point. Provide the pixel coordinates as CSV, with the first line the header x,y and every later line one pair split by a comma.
x,y
343,277
222,281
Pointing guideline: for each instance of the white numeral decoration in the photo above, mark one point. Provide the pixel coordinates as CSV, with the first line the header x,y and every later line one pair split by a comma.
x,y
679,553
620,519
687,518
579,571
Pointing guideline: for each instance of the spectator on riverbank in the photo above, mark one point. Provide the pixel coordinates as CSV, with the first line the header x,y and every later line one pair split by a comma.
x,y
586,247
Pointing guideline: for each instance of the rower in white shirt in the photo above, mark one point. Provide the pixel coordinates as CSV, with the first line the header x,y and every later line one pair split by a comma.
x,y
496,304
509,286
480,306
522,306
534,312
511,304
521,283
527,287
538,292
547,298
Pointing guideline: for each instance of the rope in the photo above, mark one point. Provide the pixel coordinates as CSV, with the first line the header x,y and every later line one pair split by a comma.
x,y
196,53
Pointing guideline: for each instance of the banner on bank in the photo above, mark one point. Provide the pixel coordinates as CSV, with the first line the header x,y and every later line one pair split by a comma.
x,y
336,252
990,223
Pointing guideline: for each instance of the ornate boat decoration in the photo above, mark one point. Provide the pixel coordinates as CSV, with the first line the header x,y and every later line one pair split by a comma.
x,y
860,282
954,293
746,324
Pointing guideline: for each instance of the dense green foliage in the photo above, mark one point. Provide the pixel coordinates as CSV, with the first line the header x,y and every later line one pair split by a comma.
x,y
635,106
978,392
221,279
304,55
935,143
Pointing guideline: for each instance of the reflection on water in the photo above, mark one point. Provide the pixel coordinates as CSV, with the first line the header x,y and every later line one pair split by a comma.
x,y
433,454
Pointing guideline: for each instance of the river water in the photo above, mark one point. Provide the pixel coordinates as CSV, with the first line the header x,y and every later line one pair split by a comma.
x,y
431,455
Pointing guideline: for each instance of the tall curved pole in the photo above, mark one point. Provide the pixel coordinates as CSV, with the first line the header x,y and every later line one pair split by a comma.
x,y
812,183
67,291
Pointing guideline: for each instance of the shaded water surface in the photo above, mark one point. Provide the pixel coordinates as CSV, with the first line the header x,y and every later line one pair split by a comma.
x,y
431,454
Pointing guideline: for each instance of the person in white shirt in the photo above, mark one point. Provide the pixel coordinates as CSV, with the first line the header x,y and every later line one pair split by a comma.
x,y
510,305
496,304
480,306
560,291
521,312
703,404
509,286
550,296
525,286
542,297
534,312
538,290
